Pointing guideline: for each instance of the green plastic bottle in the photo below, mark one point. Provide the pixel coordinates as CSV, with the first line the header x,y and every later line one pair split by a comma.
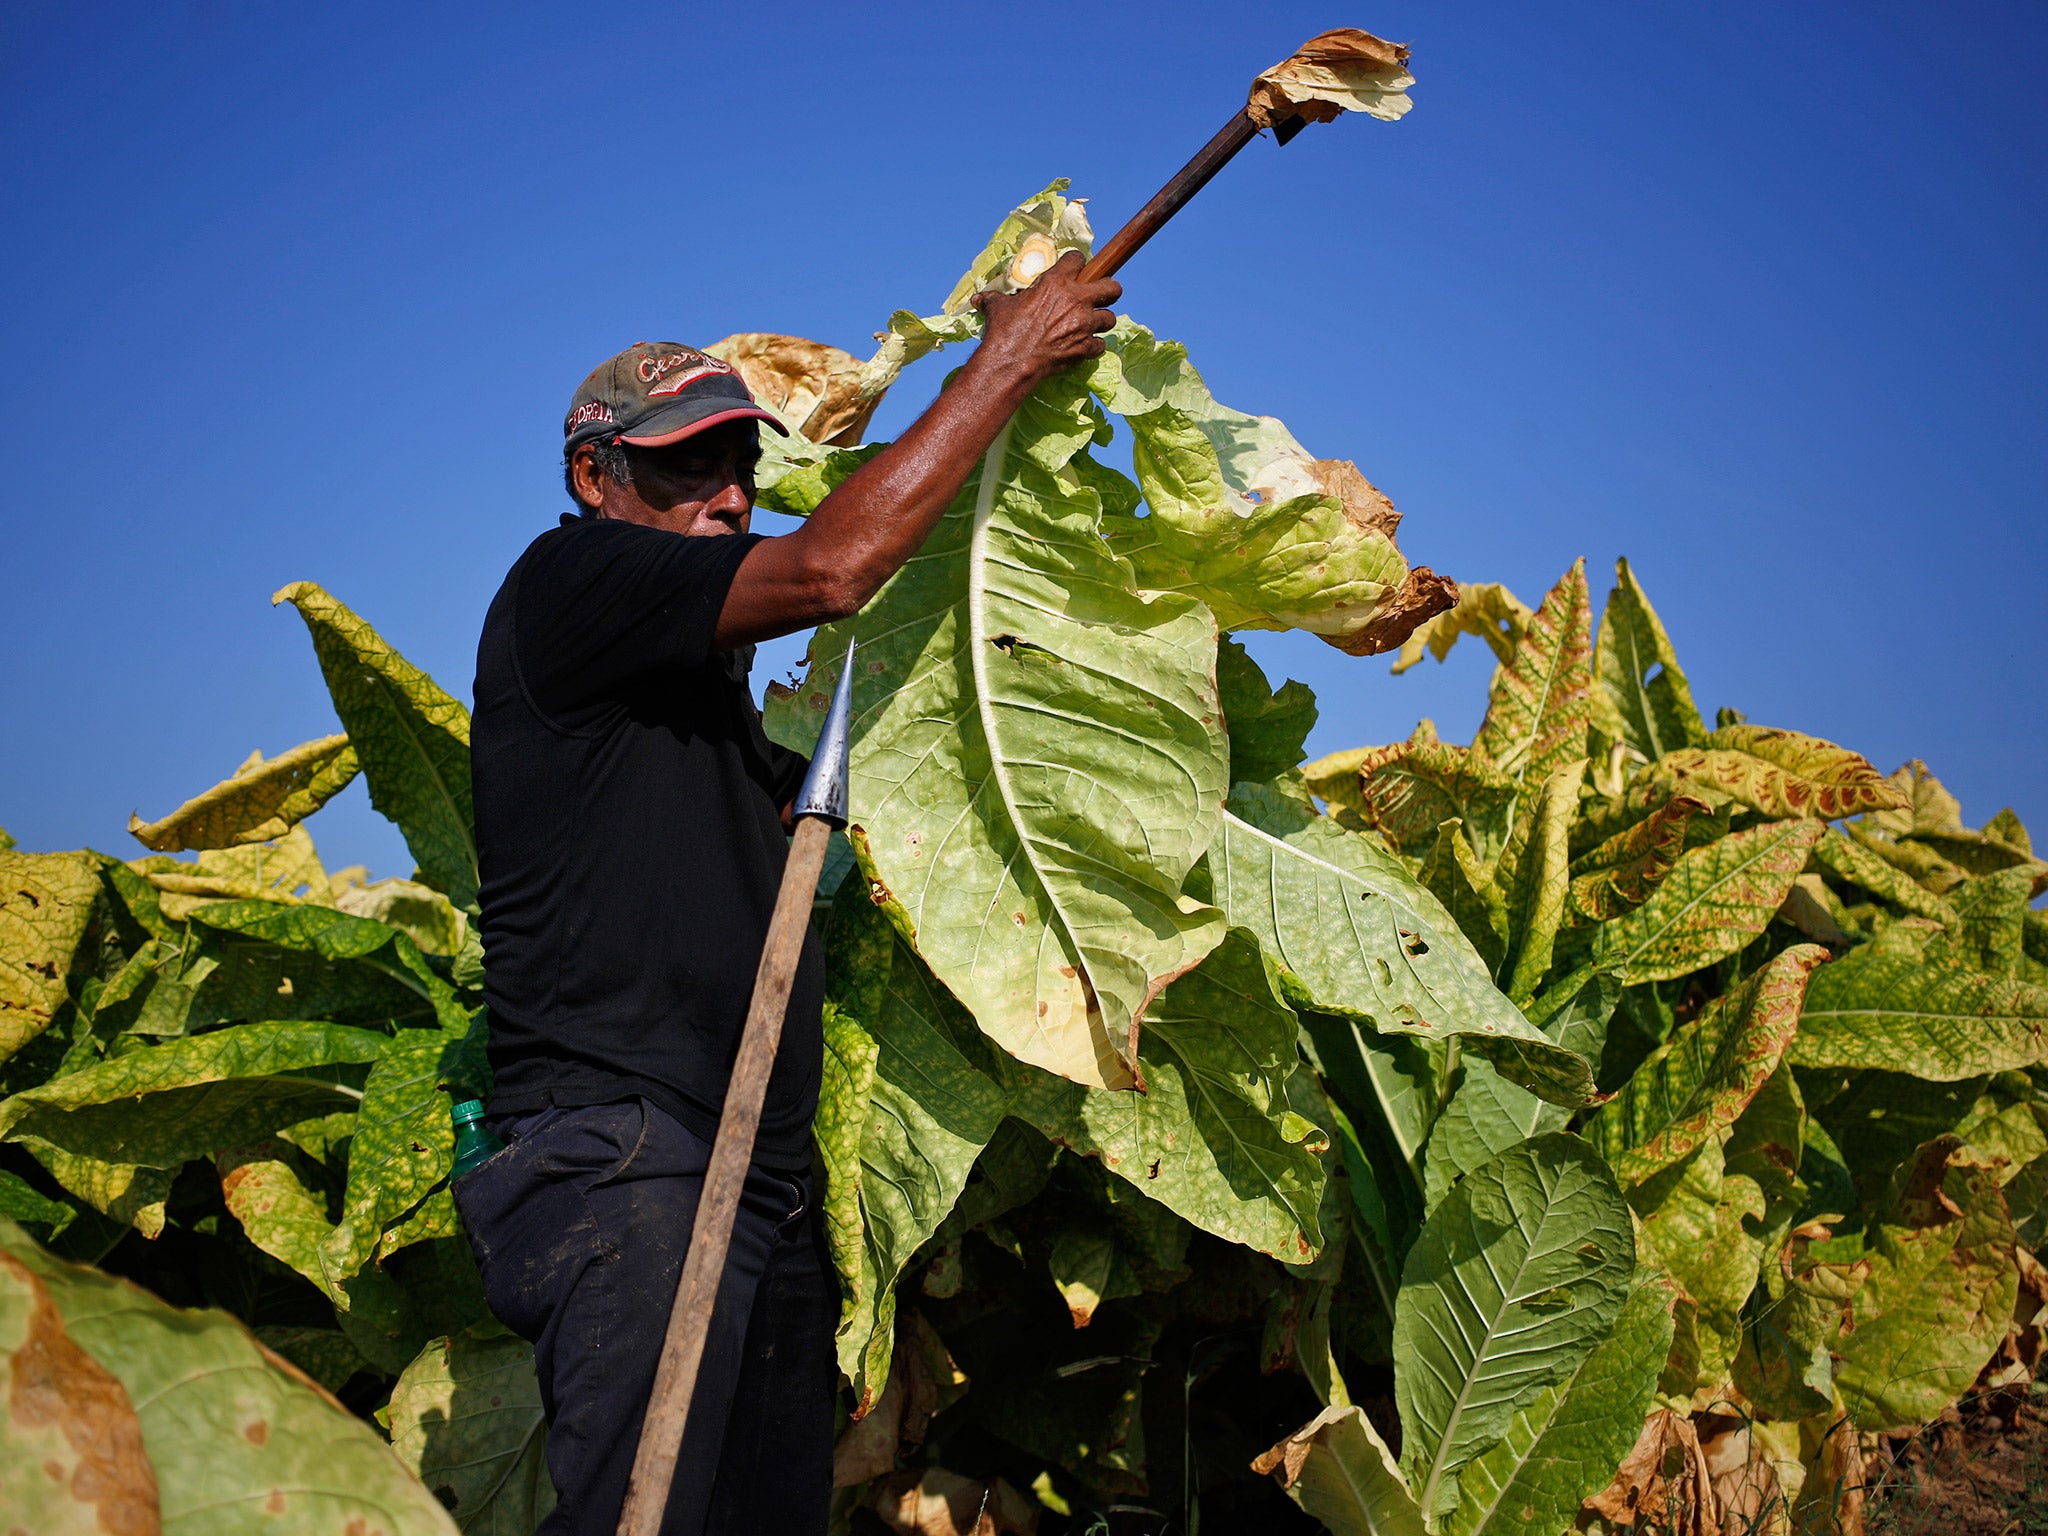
x,y
474,1143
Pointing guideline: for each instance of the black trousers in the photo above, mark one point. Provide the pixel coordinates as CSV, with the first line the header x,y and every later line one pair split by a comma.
x,y
579,1227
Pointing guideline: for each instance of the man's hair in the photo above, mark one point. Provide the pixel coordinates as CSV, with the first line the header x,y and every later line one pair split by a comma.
x,y
610,455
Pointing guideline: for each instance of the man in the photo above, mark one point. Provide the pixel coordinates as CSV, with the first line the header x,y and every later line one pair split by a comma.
x,y
630,829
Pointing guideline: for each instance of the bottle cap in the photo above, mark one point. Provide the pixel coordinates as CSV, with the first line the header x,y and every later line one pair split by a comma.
x,y
468,1110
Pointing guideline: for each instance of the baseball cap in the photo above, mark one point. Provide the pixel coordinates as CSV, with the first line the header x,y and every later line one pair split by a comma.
x,y
655,393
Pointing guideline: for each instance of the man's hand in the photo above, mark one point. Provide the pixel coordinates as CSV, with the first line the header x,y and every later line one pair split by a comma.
x,y
861,534
1053,324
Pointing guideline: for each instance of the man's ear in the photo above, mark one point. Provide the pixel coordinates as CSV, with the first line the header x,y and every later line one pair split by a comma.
x,y
584,476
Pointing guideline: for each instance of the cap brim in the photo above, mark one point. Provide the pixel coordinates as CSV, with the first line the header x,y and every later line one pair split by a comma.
x,y
666,429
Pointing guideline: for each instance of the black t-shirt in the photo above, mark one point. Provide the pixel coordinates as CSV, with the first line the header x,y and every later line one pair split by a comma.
x,y
628,817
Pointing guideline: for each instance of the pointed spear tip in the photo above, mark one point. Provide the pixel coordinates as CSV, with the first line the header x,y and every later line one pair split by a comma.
x,y
824,791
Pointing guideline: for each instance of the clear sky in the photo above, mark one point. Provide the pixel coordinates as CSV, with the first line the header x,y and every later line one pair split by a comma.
x,y
1750,293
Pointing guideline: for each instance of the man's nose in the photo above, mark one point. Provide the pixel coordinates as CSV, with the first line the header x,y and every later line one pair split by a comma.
x,y
732,500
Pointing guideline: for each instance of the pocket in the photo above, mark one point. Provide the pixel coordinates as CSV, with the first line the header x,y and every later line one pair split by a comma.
x,y
589,1145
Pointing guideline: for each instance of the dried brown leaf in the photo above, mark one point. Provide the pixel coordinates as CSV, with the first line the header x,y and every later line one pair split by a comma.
x,y
1343,70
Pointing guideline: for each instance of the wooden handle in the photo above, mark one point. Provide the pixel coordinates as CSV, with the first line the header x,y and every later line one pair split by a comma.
x,y
1169,199
689,1320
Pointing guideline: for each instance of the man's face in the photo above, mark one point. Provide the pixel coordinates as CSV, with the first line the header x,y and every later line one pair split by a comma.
x,y
702,485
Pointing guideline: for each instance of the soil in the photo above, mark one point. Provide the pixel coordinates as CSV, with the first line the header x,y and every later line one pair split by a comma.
x,y
1979,1470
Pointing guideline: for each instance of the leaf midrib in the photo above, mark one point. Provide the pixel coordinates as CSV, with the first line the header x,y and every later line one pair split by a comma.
x,y
1428,1497
978,647
1765,847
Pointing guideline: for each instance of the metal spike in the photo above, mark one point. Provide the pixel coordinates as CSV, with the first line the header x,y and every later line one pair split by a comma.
x,y
824,791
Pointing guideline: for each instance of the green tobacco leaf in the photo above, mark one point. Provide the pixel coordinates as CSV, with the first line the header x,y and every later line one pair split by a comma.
x,y
1564,1446
340,936
1088,1270
1355,934
845,1083
1484,608
1941,1289
1767,1145
1698,1083
1918,861
1715,900
1384,1092
1991,914
1212,1137
1536,711
419,912
238,1440
21,1201
159,1107
934,1106
1695,1226
1537,881
1454,876
411,737
1268,729
1488,1114
1245,520
404,1143
1406,791
1040,881
46,900
1888,1007
1338,1469
1640,693
1850,861
466,1421
262,801
1618,874
283,870
1516,1277
324,1354
127,1193
1781,773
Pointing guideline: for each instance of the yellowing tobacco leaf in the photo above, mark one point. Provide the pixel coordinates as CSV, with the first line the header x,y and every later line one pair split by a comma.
x,y
1618,874
1038,757
1640,695
1698,1083
1715,900
1536,710
1889,1007
1782,773
45,902
410,736
1406,791
1940,1292
263,800
1244,518
237,1438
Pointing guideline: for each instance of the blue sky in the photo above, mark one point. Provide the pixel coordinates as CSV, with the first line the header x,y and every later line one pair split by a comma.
x,y
1750,294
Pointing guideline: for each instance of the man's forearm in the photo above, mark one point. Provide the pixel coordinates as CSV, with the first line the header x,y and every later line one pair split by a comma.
x,y
861,534
864,531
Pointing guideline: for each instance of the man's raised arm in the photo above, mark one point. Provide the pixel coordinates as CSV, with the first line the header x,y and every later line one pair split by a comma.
x,y
862,533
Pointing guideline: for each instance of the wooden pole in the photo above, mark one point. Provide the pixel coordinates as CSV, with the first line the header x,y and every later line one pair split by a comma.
x,y
1169,199
689,1320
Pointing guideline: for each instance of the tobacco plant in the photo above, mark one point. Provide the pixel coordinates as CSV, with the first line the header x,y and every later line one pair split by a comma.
x,y
1611,1120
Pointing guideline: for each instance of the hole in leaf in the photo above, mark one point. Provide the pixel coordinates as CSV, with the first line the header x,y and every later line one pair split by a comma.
x,y
1413,942
1556,1299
